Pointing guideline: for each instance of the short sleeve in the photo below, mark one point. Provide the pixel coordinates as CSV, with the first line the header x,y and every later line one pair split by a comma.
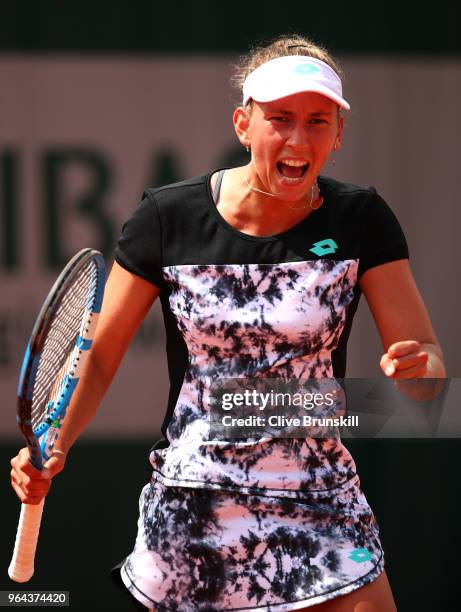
x,y
383,239
139,248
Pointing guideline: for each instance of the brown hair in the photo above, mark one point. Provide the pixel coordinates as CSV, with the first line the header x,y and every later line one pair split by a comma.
x,y
293,44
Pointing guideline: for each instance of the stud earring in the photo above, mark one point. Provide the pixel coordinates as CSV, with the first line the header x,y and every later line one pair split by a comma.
x,y
247,145
333,150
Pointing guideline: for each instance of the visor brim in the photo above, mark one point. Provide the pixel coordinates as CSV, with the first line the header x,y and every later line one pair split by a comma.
x,y
277,93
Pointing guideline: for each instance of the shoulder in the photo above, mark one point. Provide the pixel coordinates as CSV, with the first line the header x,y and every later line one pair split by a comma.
x,y
354,201
179,192
180,185
345,191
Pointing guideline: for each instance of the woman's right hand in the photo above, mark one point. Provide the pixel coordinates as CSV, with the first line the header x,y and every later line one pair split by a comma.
x,y
32,485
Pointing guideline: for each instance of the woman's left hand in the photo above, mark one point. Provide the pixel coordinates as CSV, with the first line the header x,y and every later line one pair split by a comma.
x,y
405,360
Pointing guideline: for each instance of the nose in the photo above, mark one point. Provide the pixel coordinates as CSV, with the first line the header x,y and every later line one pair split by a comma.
x,y
298,137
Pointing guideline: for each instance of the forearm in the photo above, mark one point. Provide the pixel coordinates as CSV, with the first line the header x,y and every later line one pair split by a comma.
x,y
88,395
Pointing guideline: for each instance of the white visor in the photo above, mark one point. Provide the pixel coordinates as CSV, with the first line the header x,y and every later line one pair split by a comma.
x,y
291,74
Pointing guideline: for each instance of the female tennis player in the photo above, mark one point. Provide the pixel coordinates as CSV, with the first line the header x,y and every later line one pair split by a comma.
x,y
259,270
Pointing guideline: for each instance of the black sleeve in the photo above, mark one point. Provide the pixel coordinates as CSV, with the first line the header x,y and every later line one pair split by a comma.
x,y
383,239
139,247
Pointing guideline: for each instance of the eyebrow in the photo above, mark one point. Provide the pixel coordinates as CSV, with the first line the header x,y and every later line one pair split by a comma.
x,y
314,114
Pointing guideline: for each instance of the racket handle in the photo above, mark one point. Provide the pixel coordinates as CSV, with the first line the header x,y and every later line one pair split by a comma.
x,y
22,564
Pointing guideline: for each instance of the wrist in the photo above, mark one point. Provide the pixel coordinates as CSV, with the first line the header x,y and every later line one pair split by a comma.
x,y
435,363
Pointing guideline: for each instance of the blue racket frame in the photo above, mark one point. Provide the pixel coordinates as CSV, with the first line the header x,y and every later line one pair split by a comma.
x,y
41,439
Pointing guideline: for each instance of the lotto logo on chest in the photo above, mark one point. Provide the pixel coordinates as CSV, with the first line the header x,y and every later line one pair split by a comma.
x,y
324,247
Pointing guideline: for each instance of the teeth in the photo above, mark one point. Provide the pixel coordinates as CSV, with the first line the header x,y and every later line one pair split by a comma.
x,y
292,162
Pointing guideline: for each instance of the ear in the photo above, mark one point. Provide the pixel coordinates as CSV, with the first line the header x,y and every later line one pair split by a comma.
x,y
241,121
339,134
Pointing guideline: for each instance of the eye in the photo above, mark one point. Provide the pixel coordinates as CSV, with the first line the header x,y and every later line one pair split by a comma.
x,y
318,121
279,118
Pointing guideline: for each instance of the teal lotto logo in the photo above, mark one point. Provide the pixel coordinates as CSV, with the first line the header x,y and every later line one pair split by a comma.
x,y
306,68
324,247
359,555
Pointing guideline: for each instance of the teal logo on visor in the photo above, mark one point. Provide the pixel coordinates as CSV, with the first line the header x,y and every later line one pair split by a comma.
x,y
324,247
307,69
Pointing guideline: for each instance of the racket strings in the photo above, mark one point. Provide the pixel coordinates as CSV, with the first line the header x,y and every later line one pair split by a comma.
x,y
60,352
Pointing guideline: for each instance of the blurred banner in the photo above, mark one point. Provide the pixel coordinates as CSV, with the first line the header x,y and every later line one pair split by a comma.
x,y
81,136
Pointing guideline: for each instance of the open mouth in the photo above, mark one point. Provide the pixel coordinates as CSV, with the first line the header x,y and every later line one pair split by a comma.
x,y
292,170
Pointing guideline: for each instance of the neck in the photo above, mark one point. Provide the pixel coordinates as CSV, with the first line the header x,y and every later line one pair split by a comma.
x,y
254,213
313,199
258,190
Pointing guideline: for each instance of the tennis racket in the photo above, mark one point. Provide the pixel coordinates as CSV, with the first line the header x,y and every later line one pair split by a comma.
x,y
59,344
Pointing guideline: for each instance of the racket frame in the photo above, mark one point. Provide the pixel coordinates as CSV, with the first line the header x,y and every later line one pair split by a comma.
x,y
21,568
33,353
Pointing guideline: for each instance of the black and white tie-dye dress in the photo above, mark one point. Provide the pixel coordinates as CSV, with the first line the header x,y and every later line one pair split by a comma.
x,y
275,523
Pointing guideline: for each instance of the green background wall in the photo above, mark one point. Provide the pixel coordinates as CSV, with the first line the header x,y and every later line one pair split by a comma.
x,y
147,25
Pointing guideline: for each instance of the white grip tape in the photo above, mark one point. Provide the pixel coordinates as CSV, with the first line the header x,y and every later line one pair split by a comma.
x,y
22,564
